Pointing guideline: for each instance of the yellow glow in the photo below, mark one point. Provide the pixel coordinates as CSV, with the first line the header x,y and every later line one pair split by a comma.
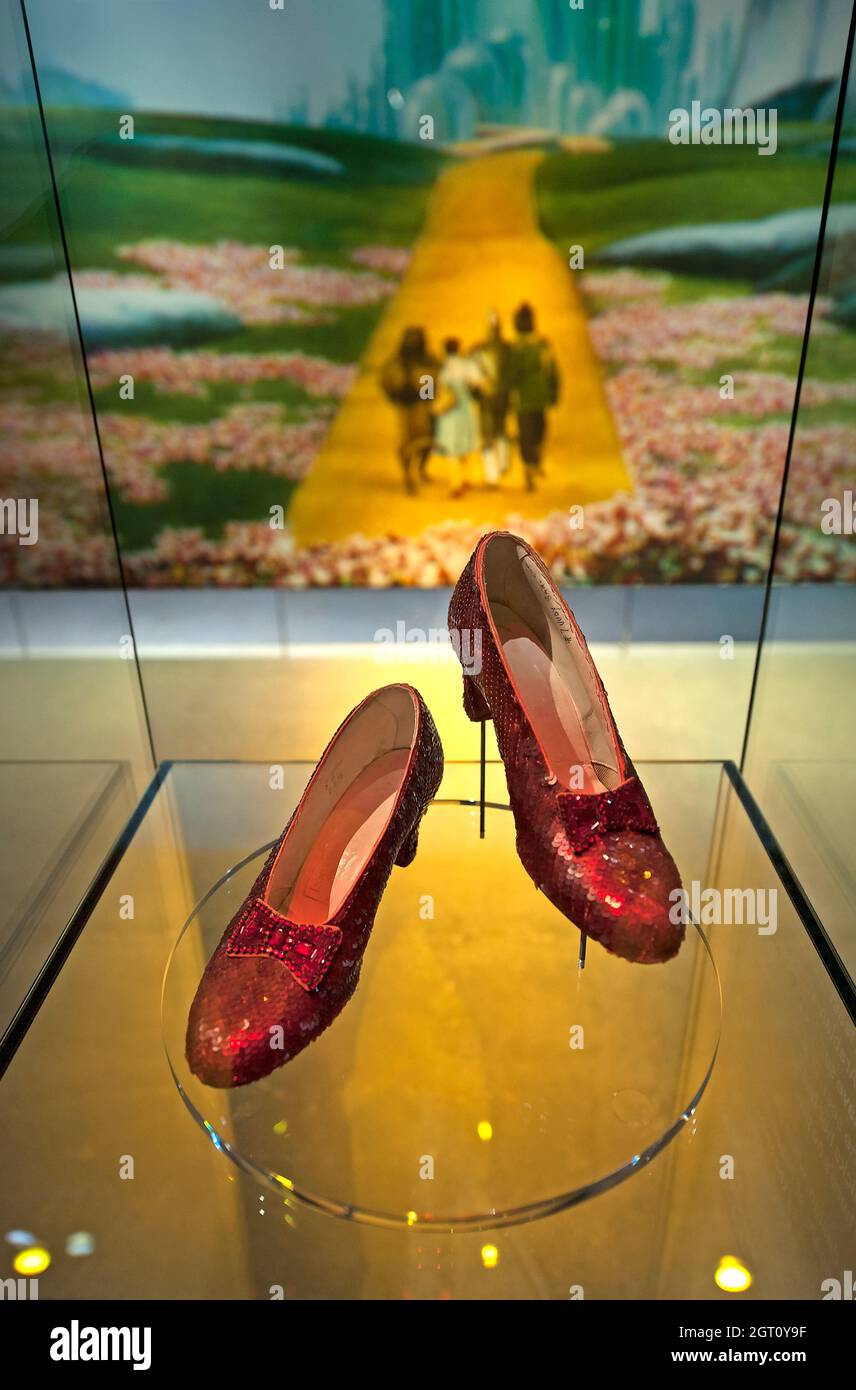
x,y
647,873
411,1218
485,1131
32,1261
731,1276
280,1127
490,1256
452,280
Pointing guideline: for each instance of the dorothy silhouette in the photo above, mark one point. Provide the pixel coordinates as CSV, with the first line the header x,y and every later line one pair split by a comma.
x,y
456,428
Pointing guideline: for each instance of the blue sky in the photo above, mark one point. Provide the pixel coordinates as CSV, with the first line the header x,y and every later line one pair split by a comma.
x,y
228,57
240,58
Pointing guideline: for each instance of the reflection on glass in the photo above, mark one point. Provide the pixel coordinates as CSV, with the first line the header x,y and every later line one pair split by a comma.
x,y
72,741
615,1081
800,759
436,1039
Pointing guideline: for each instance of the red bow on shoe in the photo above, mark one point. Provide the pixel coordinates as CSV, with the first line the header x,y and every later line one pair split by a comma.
x,y
588,815
306,950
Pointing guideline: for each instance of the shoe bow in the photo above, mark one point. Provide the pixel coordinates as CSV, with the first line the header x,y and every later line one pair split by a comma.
x,y
587,816
306,950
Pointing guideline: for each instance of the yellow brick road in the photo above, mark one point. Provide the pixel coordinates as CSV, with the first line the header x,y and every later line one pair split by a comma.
x,y
481,248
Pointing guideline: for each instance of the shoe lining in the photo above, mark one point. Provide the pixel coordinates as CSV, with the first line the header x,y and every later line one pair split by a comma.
x,y
345,811
551,669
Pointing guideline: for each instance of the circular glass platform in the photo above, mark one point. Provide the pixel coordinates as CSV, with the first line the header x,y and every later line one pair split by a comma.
x,y
478,1077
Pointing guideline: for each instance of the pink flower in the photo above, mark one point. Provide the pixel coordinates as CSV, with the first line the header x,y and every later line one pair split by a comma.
x,y
701,334
191,373
389,260
244,278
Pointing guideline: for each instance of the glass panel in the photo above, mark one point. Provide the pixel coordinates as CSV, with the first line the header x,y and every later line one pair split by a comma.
x,y
66,817
768,1177
454,963
147,1178
800,758
260,204
73,742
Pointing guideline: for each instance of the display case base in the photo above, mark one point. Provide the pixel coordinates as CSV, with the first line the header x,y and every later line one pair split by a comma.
x,y
478,1077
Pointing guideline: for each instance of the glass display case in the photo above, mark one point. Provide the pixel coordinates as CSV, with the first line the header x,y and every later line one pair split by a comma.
x,y
228,513
465,1129
74,748
798,753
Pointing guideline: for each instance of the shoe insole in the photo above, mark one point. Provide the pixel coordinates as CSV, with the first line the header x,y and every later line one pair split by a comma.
x,y
556,718
345,841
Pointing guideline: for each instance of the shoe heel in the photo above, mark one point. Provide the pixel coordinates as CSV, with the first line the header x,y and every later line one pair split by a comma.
x,y
476,706
407,853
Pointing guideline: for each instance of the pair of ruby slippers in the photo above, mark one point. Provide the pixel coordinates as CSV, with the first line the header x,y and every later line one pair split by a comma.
x,y
290,959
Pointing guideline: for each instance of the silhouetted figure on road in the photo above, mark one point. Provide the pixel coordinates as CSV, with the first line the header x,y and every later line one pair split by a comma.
x,y
534,386
456,417
409,380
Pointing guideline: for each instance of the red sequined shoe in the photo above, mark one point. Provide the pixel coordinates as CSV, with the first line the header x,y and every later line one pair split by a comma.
x,y
586,833
290,959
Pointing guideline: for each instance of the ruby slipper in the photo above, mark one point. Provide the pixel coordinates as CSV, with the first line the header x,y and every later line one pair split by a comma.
x,y
586,833
290,959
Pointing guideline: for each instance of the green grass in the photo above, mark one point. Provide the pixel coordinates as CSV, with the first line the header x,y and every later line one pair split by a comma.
x,y
38,386
342,340
370,158
201,497
217,400
681,289
834,413
686,289
116,193
647,185
107,205
831,358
